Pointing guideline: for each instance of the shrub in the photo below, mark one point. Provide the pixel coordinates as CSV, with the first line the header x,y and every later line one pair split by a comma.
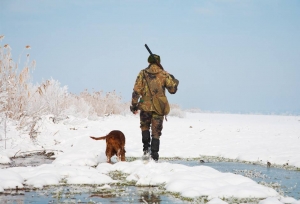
x,y
176,111
13,83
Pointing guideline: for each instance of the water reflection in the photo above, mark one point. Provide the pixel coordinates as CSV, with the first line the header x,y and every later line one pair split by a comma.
x,y
79,194
149,197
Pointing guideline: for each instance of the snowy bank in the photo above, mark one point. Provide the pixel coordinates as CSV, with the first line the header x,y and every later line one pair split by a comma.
x,y
81,160
253,138
190,182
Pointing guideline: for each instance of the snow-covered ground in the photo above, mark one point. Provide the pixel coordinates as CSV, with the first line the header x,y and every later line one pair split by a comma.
x,y
81,160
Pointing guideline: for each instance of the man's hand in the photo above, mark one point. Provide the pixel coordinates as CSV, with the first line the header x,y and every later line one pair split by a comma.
x,y
134,108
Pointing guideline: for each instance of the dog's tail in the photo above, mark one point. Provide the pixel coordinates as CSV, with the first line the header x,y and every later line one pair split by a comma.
x,y
98,138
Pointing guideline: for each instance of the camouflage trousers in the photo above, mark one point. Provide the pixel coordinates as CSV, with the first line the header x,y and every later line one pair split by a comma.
x,y
150,118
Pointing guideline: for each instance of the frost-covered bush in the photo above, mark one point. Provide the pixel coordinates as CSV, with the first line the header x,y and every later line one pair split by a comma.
x,y
44,99
194,110
103,103
13,83
21,100
78,107
50,97
3,100
176,111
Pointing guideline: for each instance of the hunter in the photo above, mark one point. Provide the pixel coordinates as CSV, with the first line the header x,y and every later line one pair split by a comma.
x,y
149,97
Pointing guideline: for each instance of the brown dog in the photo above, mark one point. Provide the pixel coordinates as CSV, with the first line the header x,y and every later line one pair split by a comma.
x,y
115,145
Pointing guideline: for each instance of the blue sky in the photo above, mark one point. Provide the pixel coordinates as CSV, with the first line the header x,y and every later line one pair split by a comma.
x,y
229,55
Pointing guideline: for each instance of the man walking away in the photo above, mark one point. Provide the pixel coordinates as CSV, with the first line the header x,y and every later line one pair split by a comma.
x,y
149,97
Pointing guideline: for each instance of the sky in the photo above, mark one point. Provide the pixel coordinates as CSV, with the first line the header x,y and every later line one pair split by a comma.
x,y
229,56
254,139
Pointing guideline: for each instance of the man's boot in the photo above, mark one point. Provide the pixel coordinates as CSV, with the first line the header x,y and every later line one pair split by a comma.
x,y
155,148
146,141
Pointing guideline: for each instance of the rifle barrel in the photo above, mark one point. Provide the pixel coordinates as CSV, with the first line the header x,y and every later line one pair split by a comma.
x,y
153,57
148,49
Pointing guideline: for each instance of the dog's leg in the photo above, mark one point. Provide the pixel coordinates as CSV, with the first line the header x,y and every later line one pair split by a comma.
x,y
122,154
108,159
108,153
119,155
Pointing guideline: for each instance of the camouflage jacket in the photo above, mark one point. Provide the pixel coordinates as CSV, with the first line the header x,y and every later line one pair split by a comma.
x,y
157,80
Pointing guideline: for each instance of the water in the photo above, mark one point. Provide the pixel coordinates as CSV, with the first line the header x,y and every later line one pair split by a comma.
x,y
284,181
29,160
79,194
84,194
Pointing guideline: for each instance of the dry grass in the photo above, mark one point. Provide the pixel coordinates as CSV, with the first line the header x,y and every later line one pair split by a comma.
x,y
21,100
14,84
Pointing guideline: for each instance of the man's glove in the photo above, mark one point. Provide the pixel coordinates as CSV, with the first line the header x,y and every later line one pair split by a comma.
x,y
176,81
134,108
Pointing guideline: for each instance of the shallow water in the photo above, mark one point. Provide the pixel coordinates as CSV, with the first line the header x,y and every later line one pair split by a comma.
x,y
80,194
28,160
69,194
284,181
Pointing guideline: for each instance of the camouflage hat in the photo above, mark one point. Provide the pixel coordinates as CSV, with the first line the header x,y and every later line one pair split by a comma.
x,y
151,60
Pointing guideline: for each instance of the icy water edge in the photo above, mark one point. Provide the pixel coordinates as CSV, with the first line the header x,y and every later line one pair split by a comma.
x,y
286,182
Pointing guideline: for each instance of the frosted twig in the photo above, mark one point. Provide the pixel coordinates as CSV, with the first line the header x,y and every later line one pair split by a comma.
x,y
144,200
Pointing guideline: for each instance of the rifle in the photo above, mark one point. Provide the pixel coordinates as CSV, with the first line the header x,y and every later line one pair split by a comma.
x,y
153,57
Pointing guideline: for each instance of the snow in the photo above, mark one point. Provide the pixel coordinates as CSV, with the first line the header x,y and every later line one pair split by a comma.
x,y
81,160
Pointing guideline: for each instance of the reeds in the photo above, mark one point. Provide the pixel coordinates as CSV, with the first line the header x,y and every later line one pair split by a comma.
x,y
13,83
21,100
